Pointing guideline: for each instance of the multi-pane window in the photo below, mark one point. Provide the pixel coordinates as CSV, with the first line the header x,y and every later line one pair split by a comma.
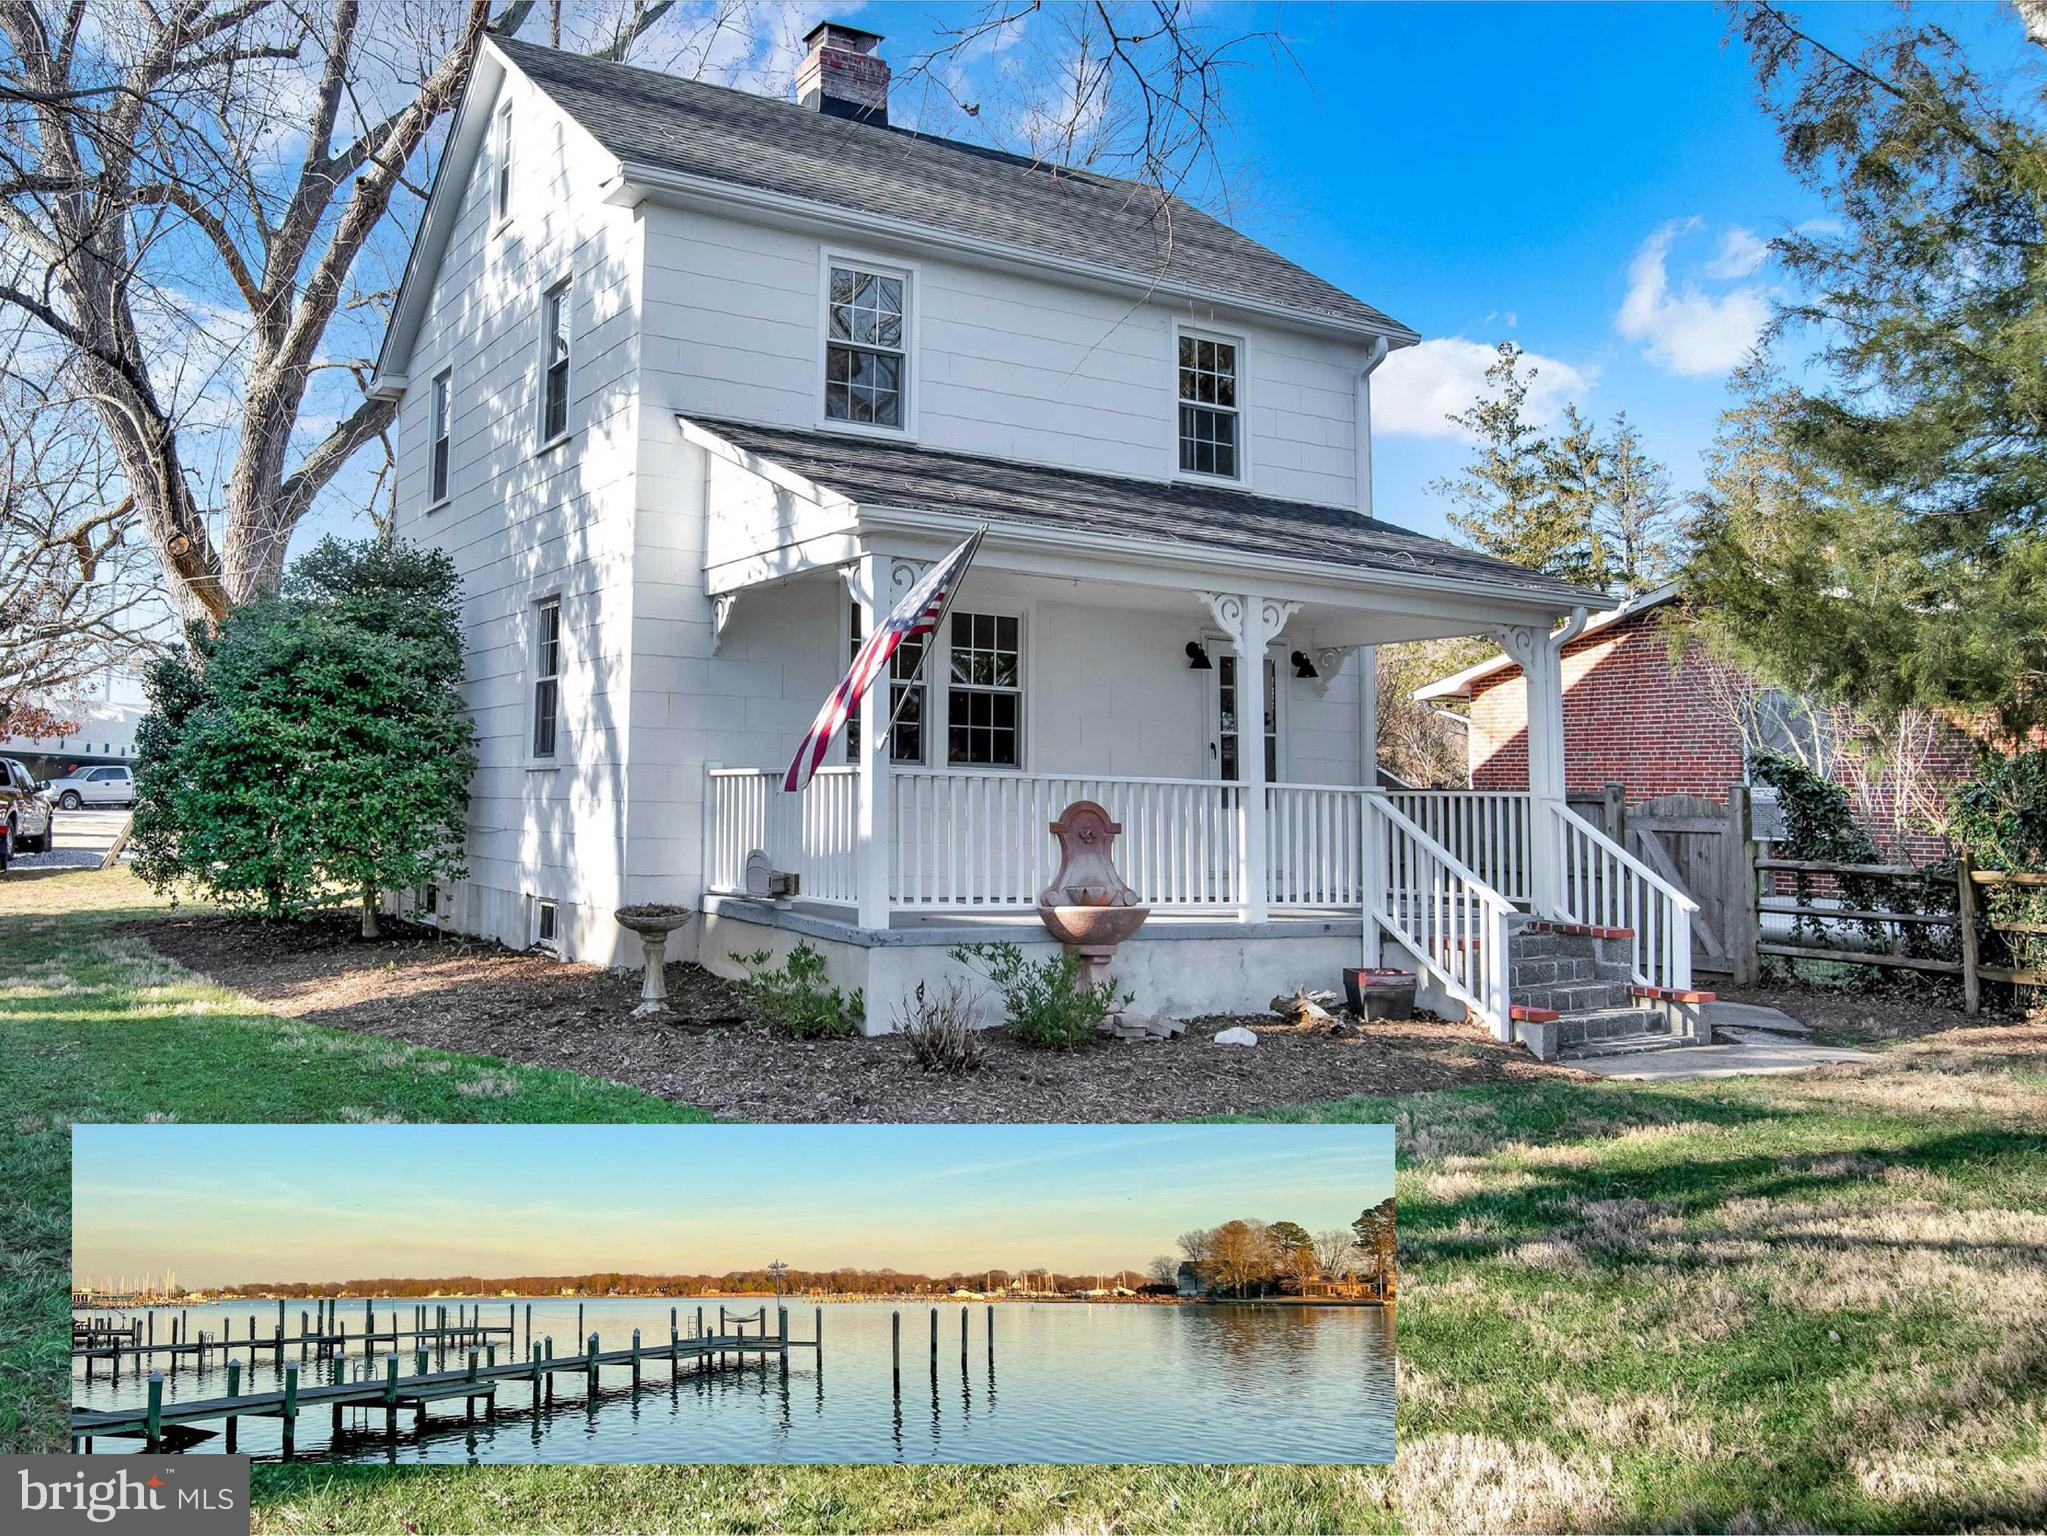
x,y
866,363
547,658
906,698
442,403
554,361
501,176
1209,418
984,701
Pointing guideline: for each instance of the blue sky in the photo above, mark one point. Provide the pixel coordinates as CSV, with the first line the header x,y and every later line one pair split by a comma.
x,y
227,1204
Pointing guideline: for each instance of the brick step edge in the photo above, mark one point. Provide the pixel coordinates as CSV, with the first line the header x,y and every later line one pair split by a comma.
x,y
1577,930
1673,995
1523,1014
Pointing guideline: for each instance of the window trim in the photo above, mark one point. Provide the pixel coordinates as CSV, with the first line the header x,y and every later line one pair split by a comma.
x,y
551,943
1187,328
1026,720
501,167
1279,696
912,276
530,641
563,284
440,443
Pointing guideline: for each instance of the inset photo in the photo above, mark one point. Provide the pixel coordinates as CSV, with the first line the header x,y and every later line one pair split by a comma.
x,y
748,1294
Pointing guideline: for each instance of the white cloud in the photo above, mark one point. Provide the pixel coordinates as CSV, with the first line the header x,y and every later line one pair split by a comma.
x,y
1418,389
1688,331
1742,254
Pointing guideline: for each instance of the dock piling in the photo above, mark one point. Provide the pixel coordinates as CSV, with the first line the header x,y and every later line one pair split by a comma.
x,y
234,1389
636,1359
934,1338
291,1407
154,1434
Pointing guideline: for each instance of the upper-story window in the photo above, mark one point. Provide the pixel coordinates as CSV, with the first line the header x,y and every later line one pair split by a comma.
x,y
554,362
867,363
1210,421
501,165
443,405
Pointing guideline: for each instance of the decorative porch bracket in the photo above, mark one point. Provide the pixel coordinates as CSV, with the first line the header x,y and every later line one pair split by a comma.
x,y
1252,623
1540,655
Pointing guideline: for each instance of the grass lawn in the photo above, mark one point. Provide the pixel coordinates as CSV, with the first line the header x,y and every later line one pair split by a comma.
x,y
1815,1301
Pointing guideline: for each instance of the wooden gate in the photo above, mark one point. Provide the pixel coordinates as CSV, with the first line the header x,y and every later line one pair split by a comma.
x,y
1700,846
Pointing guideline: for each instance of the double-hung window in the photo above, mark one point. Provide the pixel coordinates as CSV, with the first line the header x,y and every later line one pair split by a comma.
x,y
866,360
1211,424
905,702
554,362
984,696
547,657
501,173
443,404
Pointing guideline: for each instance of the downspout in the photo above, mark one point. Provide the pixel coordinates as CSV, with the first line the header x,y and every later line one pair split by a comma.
x,y
1380,348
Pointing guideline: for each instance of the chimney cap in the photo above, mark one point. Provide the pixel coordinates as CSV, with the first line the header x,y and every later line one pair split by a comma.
x,y
842,30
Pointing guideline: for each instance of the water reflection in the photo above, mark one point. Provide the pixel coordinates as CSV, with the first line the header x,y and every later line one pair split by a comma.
x,y
1076,1383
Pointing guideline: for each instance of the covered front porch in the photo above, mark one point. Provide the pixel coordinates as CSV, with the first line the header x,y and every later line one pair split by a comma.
x,y
1217,697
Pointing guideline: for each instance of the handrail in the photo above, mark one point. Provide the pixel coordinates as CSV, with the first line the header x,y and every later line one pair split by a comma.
x,y
1436,907
1608,845
1444,856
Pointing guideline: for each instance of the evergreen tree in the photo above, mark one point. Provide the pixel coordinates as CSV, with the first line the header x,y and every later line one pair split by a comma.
x,y
1635,533
1505,498
316,744
1881,536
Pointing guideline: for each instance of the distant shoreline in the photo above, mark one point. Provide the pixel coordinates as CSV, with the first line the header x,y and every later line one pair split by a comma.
x,y
837,1299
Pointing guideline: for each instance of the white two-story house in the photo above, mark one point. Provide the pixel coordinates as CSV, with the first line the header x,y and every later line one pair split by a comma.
x,y
695,382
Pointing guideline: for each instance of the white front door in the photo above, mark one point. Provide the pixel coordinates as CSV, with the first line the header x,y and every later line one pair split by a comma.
x,y
1227,739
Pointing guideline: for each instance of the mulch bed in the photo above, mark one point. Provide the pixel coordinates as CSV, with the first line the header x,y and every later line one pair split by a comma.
x,y
1894,1011
465,995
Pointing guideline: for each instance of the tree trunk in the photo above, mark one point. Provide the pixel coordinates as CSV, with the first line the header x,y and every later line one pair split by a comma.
x,y
369,911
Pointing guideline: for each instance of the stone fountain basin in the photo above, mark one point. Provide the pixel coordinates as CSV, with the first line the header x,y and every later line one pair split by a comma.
x,y
1092,927
651,921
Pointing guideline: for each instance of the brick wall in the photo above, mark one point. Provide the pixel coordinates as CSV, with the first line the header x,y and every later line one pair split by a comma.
x,y
1629,718
1632,717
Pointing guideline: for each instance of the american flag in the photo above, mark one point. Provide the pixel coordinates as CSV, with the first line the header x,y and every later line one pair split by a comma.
x,y
919,613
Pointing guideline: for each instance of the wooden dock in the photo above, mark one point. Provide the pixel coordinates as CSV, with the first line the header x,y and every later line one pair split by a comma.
x,y
177,1425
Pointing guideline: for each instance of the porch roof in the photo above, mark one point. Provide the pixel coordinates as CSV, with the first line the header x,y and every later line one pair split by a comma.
x,y
875,472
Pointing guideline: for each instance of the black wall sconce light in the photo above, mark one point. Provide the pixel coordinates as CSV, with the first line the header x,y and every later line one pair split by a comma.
x,y
1197,657
1303,667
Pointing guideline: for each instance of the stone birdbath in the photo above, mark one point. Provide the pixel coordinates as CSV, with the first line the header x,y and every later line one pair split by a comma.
x,y
1087,907
653,922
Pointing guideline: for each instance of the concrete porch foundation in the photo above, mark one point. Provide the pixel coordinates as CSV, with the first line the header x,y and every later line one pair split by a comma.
x,y
1183,967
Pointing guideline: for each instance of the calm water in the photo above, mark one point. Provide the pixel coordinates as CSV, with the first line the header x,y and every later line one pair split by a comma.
x,y
1069,1383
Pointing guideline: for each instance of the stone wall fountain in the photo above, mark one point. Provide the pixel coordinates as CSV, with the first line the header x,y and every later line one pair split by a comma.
x,y
1089,909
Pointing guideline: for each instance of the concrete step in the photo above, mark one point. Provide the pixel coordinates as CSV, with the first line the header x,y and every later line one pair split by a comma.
x,y
1575,997
1608,1023
1624,1045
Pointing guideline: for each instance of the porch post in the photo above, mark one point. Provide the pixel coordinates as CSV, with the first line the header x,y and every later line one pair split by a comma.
x,y
875,799
1368,716
1372,952
1252,623
1540,655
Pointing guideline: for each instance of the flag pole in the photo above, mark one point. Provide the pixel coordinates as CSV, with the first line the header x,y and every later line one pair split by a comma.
x,y
952,589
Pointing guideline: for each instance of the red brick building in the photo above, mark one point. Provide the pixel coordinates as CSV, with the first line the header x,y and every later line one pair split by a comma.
x,y
1663,719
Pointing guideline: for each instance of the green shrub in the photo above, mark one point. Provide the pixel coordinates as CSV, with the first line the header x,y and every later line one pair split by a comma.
x,y
1043,1001
794,998
315,745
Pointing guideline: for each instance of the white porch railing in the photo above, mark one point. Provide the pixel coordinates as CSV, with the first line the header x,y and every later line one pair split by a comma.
x,y
1314,846
1485,830
815,835
969,840
1606,886
1439,908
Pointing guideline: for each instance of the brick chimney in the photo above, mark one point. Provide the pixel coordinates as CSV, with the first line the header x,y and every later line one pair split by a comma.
x,y
842,75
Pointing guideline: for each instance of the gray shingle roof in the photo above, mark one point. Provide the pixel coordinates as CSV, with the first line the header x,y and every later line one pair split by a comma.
x,y
648,118
879,472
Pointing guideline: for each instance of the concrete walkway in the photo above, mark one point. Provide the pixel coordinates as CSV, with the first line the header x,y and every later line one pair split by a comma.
x,y
1736,1052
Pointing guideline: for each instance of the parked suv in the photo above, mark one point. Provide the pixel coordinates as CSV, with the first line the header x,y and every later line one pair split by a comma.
x,y
24,813
94,786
